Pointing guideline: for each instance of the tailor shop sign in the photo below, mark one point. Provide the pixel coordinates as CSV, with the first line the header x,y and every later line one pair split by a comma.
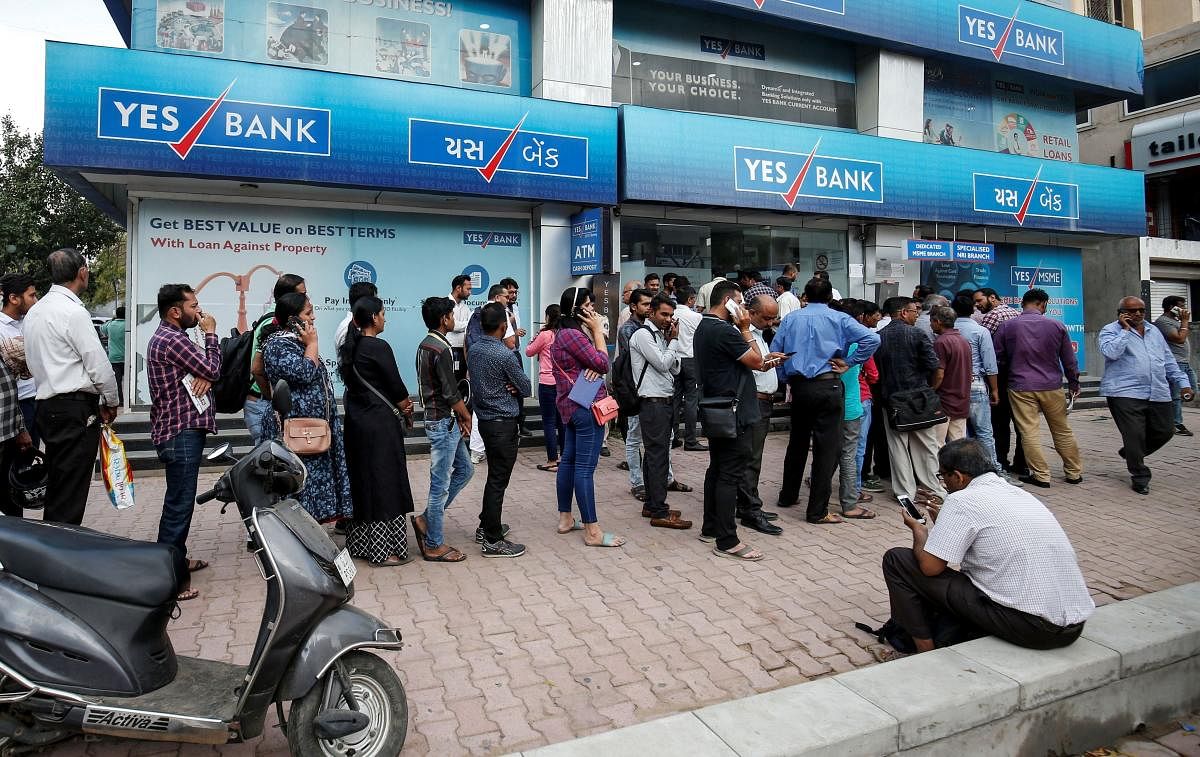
x,y
1169,149
123,110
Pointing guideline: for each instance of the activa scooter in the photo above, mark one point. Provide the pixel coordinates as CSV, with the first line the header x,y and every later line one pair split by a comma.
x,y
84,647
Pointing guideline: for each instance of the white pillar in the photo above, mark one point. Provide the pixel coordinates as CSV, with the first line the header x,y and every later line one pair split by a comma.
x,y
572,50
890,93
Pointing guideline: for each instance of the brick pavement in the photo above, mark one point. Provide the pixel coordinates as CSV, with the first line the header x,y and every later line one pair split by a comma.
x,y
504,655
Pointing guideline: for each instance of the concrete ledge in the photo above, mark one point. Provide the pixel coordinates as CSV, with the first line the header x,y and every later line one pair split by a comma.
x,y
1137,661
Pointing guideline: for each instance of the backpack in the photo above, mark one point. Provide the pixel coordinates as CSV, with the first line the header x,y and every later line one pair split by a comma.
x,y
233,384
624,388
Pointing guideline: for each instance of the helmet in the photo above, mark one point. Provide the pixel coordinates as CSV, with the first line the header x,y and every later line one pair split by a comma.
x,y
27,480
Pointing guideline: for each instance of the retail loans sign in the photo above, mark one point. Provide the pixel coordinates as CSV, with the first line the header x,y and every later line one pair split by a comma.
x,y
963,252
489,149
1009,35
791,175
185,122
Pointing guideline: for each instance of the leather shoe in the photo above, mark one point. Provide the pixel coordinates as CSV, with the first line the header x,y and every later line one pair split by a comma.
x,y
674,522
762,525
1074,480
676,443
752,514
671,513
696,447
1034,482
768,515
1141,488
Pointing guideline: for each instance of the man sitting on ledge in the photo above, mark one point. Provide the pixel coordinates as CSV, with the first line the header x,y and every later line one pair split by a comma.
x,y
1019,578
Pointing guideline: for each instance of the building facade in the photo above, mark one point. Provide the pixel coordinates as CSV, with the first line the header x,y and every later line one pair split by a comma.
x,y
566,142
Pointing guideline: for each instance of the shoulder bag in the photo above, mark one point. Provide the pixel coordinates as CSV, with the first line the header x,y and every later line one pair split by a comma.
x,y
718,415
391,405
915,409
309,436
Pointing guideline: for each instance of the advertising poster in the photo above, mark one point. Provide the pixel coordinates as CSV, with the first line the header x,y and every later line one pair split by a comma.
x,y
191,25
1001,111
233,253
1019,268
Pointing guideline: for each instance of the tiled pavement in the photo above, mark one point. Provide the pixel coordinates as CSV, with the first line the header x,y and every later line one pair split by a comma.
x,y
503,655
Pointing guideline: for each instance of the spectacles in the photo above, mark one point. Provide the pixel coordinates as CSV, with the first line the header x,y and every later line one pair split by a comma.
x,y
1132,310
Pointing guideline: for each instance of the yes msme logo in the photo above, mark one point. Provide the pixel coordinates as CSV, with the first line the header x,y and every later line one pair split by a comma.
x,y
184,123
1010,35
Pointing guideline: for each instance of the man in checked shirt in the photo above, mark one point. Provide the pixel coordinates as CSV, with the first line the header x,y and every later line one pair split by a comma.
x,y
181,412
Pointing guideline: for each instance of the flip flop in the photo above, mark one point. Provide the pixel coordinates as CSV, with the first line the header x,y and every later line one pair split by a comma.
x,y
392,562
195,565
420,535
577,525
187,594
864,514
608,540
741,554
549,467
676,486
450,555
828,520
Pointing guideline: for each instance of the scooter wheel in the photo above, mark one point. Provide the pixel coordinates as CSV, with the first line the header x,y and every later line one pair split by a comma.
x,y
378,694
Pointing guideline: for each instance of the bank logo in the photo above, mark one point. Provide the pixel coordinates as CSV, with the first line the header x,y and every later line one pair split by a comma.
x,y
483,239
490,150
185,122
792,175
1033,277
1006,34
1023,197
732,47
359,271
832,6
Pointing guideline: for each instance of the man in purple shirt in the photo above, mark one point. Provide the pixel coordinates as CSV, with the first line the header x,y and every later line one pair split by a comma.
x,y
180,376
1037,351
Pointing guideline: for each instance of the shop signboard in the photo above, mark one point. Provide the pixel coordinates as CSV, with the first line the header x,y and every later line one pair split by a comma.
x,y
940,249
137,112
587,242
714,160
974,252
233,253
1019,268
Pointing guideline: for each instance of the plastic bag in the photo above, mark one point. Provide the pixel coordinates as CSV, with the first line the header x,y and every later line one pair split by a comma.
x,y
118,475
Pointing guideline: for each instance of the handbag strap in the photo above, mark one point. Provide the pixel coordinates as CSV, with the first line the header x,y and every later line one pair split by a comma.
x,y
395,410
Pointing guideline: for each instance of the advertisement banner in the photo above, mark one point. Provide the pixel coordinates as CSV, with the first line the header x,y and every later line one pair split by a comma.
x,y
722,161
990,108
138,112
233,253
587,242
1017,269
473,44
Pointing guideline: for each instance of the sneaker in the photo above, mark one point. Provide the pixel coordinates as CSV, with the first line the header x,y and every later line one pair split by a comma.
x,y
526,433
503,548
477,458
479,533
1012,480
1182,430
872,484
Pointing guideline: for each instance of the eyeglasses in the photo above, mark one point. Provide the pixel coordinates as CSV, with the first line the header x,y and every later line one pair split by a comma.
x,y
1132,310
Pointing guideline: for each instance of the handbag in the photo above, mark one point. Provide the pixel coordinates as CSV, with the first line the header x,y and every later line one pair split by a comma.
x,y
915,409
391,405
605,409
309,436
718,415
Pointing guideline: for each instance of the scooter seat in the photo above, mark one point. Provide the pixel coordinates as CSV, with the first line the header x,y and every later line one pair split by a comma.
x,y
82,561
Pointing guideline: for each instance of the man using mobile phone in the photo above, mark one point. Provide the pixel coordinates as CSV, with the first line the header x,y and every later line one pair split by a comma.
x,y
1175,325
1141,409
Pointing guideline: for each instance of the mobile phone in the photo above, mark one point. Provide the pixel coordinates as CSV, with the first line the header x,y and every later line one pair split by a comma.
x,y
733,308
911,509
295,324
789,354
1176,311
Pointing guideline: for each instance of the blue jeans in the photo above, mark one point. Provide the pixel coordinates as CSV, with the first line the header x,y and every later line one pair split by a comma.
x,y
980,419
552,425
29,413
254,411
181,454
450,469
581,452
862,438
1186,367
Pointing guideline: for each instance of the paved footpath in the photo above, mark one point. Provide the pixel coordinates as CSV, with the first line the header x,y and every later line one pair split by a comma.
x,y
504,655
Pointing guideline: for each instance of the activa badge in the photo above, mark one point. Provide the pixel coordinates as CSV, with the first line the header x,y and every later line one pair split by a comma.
x,y
187,122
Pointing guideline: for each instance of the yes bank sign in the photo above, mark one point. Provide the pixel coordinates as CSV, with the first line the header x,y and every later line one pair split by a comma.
x,y
1010,35
183,123
792,175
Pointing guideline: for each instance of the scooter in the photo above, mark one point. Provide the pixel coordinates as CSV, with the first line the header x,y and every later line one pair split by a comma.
x,y
84,647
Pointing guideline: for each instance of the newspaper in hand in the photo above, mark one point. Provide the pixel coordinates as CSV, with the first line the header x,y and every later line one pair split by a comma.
x,y
202,402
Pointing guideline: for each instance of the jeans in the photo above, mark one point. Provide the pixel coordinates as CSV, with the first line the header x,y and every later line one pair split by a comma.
x,y
981,420
552,426
450,469
1176,393
848,470
500,442
862,439
687,399
576,470
29,413
1145,427
181,454
254,411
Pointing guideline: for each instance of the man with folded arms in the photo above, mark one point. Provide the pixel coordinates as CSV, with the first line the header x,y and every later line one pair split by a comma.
x,y
1019,578
1139,372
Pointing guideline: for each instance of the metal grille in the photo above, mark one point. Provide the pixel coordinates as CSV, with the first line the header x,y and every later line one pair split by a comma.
x,y
1101,9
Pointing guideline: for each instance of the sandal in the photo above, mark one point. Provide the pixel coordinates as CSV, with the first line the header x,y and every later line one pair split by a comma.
x,y
195,565
187,594
747,553
676,486
450,555
639,493
420,535
577,525
829,519
608,540
393,561
549,467
863,514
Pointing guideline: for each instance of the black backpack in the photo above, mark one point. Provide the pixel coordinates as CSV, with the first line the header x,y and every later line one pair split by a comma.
x,y
624,388
231,387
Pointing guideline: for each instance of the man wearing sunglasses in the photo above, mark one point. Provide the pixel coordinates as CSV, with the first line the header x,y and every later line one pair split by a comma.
x,y
1141,408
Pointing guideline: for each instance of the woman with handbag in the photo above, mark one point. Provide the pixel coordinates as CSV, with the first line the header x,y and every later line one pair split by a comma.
x,y
552,425
312,429
579,353
378,412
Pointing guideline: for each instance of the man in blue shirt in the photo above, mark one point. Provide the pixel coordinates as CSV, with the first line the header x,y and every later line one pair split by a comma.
x,y
817,339
1139,371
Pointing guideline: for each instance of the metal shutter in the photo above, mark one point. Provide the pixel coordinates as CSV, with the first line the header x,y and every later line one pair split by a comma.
x,y
1160,288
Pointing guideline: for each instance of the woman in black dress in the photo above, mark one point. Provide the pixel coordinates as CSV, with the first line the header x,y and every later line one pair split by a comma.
x,y
375,427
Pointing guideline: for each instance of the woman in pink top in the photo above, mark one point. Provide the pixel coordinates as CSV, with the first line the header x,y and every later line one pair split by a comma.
x,y
552,427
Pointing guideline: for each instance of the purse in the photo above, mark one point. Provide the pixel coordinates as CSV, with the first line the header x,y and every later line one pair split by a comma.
x,y
391,406
309,436
915,409
718,415
605,409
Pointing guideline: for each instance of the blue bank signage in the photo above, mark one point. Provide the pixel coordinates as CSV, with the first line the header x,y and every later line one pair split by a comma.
x,y
1006,35
482,239
1021,197
792,175
132,111
587,242
939,249
1031,277
974,252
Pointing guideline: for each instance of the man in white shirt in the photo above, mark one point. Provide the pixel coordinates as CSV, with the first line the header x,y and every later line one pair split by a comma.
x,y
76,386
705,294
763,311
687,387
20,295
1019,577
784,298
514,318
460,292
627,290
357,289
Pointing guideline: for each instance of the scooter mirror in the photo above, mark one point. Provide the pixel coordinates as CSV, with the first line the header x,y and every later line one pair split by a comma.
x,y
217,452
281,398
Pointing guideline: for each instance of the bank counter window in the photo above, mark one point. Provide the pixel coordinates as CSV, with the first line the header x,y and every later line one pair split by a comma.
x,y
700,250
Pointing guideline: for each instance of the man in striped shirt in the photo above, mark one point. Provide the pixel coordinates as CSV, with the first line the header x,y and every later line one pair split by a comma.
x,y
995,314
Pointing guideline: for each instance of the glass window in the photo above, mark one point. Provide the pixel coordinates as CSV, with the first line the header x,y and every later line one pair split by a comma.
x,y
1083,117
1167,83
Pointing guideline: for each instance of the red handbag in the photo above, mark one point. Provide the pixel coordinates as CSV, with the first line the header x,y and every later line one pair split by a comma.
x,y
604,410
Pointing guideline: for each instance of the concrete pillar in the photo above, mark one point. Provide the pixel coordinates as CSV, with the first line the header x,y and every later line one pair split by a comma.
x,y
552,245
883,247
890,95
572,50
